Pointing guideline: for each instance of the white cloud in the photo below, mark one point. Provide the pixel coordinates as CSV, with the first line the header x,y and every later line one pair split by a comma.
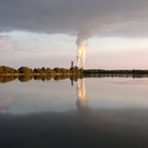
x,y
4,42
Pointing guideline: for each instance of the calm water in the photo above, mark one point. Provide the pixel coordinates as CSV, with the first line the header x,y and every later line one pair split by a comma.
x,y
93,113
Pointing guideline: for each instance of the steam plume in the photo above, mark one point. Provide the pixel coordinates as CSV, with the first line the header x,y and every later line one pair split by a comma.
x,y
82,45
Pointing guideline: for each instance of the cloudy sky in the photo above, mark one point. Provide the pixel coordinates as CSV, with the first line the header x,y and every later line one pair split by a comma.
x,y
44,32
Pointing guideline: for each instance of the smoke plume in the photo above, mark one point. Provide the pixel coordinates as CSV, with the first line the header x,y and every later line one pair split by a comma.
x,y
82,45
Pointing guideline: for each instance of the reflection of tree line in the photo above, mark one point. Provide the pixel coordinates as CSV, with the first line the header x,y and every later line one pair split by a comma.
x,y
25,78
4,79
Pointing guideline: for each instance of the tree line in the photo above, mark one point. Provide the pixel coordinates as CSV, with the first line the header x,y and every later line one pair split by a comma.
x,y
118,72
43,70
5,70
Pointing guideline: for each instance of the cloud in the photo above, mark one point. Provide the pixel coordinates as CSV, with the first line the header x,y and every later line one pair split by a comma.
x,y
77,17
4,41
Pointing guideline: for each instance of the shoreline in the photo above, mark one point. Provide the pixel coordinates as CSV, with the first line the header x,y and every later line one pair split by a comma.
x,y
84,72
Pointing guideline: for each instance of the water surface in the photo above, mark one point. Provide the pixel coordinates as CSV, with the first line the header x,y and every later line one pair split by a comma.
x,y
96,112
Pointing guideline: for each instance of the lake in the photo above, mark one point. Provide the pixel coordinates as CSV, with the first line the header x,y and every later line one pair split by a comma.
x,y
92,113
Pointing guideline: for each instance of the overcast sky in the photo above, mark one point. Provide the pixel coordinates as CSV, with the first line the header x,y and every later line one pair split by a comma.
x,y
43,32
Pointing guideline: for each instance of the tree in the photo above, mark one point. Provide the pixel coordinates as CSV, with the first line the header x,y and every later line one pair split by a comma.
x,y
49,70
57,69
25,70
43,69
6,69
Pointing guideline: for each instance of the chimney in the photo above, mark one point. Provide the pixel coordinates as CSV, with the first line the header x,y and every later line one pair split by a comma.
x,y
72,64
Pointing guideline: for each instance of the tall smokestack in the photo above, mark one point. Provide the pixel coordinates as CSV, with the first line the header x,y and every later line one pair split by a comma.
x,y
72,64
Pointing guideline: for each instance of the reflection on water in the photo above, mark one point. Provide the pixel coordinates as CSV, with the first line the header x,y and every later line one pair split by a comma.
x,y
54,114
5,103
44,77
59,96
81,92
81,103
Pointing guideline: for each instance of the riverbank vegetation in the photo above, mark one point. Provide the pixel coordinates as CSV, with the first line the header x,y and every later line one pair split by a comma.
x,y
5,70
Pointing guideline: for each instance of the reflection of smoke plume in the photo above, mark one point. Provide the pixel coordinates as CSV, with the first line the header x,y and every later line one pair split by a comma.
x,y
81,48
81,91
81,103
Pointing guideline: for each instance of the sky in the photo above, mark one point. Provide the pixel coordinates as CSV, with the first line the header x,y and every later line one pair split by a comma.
x,y
39,33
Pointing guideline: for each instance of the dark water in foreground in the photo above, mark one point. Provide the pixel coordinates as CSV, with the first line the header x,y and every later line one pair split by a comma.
x,y
94,113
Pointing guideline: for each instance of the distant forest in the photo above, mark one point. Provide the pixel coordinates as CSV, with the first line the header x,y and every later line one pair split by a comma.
x,y
8,71
26,70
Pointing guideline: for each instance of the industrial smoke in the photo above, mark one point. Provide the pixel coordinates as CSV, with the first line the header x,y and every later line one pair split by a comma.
x,y
82,45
